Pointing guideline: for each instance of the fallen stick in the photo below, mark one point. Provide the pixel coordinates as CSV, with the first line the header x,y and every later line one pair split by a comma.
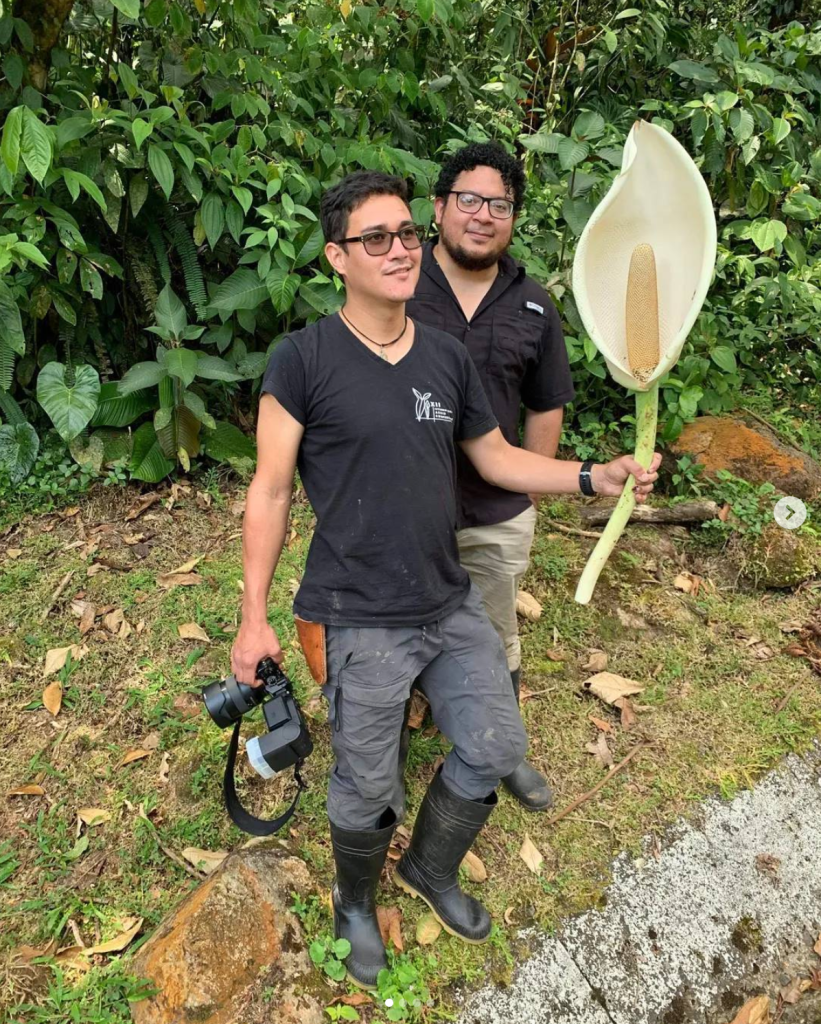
x,y
786,698
574,531
592,792
685,512
64,582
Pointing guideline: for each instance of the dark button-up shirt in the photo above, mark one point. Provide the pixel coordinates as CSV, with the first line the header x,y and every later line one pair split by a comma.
x,y
515,339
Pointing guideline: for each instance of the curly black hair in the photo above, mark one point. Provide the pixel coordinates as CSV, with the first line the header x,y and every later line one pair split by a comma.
x,y
483,154
339,202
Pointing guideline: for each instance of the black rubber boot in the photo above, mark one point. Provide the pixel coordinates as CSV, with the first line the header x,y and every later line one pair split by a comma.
x,y
525,783
444,832
359,858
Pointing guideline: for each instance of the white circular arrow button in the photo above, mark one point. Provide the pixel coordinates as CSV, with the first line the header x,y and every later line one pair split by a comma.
x,y
790,513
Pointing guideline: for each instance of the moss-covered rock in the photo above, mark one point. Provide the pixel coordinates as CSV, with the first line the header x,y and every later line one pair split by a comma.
x,y
781,558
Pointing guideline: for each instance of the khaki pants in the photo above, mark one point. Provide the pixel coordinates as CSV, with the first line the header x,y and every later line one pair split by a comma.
x,y
496,557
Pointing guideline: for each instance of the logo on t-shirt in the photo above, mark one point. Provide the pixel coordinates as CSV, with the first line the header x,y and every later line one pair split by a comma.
x,y
429,410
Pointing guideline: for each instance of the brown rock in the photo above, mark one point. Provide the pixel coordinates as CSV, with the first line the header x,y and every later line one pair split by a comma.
x,y
749,450
229,939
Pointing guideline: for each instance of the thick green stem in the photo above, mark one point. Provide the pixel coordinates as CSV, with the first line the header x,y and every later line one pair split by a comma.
x,y
647,405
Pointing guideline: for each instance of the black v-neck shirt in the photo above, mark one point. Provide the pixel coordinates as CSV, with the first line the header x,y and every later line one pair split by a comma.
x,y
378,463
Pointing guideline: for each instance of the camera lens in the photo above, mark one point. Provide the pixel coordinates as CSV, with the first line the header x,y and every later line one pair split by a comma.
x,y
227,700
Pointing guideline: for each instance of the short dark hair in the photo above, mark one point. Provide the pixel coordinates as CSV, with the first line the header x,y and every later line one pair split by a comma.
x,y
483,154
339,202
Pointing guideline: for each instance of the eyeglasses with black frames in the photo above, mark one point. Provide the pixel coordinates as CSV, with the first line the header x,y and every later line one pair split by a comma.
x,y
470,202
378,243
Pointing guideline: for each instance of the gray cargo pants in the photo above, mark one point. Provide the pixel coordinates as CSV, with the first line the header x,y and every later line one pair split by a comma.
x,y
461,668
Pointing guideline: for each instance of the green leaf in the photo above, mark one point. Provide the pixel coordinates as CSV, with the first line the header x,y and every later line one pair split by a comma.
x,y
31,252
242,290
766,233
424,8
170,312
741,124
181,363
141,129
162,418
130,8
802,206
214,368
11,323
64,309
147,460
192,401
334,969
631,12
76,181
341,948
137,193
19,445
227,443
10,144
309,246
542,142
213,218
347,1013
780,130
282,287
35,145
141,376
589,125
316,951
69,408
244,196
724,357
161,169
118,410
577,213
572,153
757,199
692,69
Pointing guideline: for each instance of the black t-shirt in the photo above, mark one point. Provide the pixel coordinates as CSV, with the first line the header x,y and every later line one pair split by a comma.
x,y
378,463
516,343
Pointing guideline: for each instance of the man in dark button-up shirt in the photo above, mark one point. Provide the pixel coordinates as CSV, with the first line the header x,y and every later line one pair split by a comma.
x,y
472,289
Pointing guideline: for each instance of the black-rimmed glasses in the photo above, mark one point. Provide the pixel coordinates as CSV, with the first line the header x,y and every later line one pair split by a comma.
x,y
470,202
378,243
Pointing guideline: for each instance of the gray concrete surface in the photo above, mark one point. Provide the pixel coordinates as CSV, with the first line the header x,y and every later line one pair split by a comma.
x,y
729,908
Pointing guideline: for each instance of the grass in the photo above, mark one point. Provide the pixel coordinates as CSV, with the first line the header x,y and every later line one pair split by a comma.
x,y
707,714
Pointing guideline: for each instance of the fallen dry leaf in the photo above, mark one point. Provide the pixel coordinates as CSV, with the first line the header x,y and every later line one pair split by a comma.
x,y
57,657
428,930
125,630
688,582
631,621
113,620
164,769
390,926
237,508
793,991
767,864
755,1011
418,709
724,512
131,927
87,618
476,870
143,505
531,856
187,566
14,552
601,724
179,579
817,947
528,607
510,916
353,999
93,815
601,751
31,790
596,661
204,860
628,715
53,697
134,755
609,687
191,631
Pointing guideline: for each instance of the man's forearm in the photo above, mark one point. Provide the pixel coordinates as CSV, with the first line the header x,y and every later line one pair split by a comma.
x,y
541,435
518,470
263,537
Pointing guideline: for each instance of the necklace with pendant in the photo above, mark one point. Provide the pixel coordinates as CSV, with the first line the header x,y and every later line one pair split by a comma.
x,y
381,345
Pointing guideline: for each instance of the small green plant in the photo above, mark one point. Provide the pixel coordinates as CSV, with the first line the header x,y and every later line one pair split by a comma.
x,y
687,481
341,1012
751,506
401,989
328,953
310,912
8,863
102,997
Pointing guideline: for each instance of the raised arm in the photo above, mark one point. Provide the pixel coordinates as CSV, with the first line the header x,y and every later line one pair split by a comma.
x,y
518,470
267,506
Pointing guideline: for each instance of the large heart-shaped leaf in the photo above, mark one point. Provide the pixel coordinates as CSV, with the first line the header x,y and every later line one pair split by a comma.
x,y
11,324
19,446
69,408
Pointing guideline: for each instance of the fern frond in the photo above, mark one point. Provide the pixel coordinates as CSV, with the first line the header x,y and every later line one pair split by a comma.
x,y
192,271
160,247
7,356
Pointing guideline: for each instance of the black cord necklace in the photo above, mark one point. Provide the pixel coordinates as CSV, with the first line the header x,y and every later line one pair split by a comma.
x,y
381,345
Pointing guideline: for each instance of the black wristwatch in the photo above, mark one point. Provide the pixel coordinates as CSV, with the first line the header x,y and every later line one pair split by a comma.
x,y
586,479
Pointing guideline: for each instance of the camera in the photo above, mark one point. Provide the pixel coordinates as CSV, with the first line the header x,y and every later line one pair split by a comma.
x,y
286,743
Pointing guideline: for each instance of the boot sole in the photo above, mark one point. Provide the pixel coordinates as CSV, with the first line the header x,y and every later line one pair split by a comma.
x,y
409,889
360,984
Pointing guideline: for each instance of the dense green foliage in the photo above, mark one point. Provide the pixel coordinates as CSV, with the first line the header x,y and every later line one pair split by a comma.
x,y
161,169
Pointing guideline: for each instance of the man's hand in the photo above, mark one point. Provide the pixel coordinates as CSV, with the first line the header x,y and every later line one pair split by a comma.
x,y
253,643
610,478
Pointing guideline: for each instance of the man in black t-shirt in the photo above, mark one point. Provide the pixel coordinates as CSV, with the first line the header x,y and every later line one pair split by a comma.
x,y
369,405
471,288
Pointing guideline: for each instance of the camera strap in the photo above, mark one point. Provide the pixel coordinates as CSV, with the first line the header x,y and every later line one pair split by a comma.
x,y
241,818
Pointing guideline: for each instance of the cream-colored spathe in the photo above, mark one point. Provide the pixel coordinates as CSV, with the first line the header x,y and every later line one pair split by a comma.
x,y
660,199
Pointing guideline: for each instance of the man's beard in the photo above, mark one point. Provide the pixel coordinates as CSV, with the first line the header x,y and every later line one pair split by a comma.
x,y
468,261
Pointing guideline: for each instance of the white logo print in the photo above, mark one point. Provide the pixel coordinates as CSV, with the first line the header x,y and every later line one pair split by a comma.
x,y
428,410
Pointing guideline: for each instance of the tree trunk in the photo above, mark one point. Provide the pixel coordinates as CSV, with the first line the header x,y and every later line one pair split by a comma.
x,y
45,18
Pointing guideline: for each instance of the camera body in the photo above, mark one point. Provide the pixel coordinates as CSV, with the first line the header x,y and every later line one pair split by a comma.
x,y
287,741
